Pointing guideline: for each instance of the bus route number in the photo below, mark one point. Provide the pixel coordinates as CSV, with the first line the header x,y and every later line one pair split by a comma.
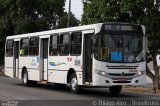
x,y
108,27
118,28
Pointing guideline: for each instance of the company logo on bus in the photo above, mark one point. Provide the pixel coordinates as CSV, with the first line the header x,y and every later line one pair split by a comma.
x,y
122,74
57,64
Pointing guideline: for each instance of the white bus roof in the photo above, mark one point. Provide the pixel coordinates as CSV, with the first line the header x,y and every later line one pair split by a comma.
x,y
55,31
96,27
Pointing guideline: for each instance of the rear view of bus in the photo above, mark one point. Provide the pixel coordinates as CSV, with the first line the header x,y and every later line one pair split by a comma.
x,y
119,56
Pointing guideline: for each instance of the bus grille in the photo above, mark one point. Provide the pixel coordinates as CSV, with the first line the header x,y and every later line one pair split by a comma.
x,y
122,67
114,74
121,81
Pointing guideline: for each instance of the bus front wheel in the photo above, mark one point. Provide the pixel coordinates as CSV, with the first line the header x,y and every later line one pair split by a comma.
x,y
115,90
75,88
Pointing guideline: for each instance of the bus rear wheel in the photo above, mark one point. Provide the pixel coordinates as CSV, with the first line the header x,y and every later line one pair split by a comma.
x,y
25,80
115,90
75,88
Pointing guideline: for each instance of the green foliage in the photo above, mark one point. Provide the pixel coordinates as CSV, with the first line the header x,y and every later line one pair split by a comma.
x,y
31,15
27,16
63,20
144,12
113,10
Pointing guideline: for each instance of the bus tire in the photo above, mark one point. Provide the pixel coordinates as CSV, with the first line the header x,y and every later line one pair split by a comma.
x,y
74,87
25,80
115,90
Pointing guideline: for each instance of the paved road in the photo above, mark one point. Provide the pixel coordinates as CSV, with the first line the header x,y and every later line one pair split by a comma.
x,y
12,89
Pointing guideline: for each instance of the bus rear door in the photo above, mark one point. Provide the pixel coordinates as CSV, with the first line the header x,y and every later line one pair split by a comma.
x,y
16,59
44,58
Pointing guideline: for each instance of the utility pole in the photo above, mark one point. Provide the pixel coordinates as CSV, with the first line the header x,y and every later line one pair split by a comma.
x,y
69,12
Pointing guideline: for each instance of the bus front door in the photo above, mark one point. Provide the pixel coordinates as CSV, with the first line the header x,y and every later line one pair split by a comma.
x,y
44,58
87,59
16,59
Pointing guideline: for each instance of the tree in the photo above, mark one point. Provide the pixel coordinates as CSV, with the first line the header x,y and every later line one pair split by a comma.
x,y
31,15
26,16
133,11
63,20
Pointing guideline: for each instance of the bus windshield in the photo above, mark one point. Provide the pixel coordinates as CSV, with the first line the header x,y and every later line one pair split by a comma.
x,y
119,48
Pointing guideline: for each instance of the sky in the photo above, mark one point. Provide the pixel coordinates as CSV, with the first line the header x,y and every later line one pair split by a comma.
x,y
76,8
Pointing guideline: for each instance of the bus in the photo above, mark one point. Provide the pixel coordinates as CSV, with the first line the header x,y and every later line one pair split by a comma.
x,y
109,55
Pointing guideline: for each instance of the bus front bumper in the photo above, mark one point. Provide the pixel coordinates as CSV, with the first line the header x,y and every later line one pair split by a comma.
x,y
107,82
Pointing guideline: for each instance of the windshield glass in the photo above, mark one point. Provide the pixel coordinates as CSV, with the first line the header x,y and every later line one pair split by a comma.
x,y
119,48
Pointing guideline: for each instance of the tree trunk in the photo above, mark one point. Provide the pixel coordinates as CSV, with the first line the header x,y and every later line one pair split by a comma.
x,y
152,76
149,73
155,86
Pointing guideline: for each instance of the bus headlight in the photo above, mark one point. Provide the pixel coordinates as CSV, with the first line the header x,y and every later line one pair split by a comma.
x,y
140,73
102,73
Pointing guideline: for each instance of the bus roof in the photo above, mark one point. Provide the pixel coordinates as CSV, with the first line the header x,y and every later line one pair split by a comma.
x,y
55,31
64,30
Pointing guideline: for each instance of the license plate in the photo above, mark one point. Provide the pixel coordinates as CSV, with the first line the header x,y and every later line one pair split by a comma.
x,y
122,79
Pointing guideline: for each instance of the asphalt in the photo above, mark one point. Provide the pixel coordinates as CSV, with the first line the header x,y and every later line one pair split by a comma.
x,y
13,91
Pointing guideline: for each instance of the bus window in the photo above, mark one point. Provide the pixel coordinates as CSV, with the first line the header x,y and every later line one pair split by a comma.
x,y
76,41
9,48
24,47
64,44
120,48
53,45
34,46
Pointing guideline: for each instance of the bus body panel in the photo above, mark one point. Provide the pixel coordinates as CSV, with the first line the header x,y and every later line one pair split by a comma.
x,y
23,62
33,68
80,77
119,74
9,66
33,74
33,62
56,76
59,66
20,73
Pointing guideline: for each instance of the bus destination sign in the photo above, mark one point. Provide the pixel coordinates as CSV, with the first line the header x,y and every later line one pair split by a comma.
x,y
122,28
118,27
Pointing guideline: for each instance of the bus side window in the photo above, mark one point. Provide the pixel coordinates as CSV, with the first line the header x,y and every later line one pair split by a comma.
x,y
9,48
54,45
34,46
64,44
24,46
76,41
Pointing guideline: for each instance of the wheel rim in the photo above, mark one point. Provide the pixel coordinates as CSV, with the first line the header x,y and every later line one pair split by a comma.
x,y
25,78
74,83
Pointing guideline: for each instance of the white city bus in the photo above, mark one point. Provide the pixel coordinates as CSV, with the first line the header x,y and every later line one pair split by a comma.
x,y
99,55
